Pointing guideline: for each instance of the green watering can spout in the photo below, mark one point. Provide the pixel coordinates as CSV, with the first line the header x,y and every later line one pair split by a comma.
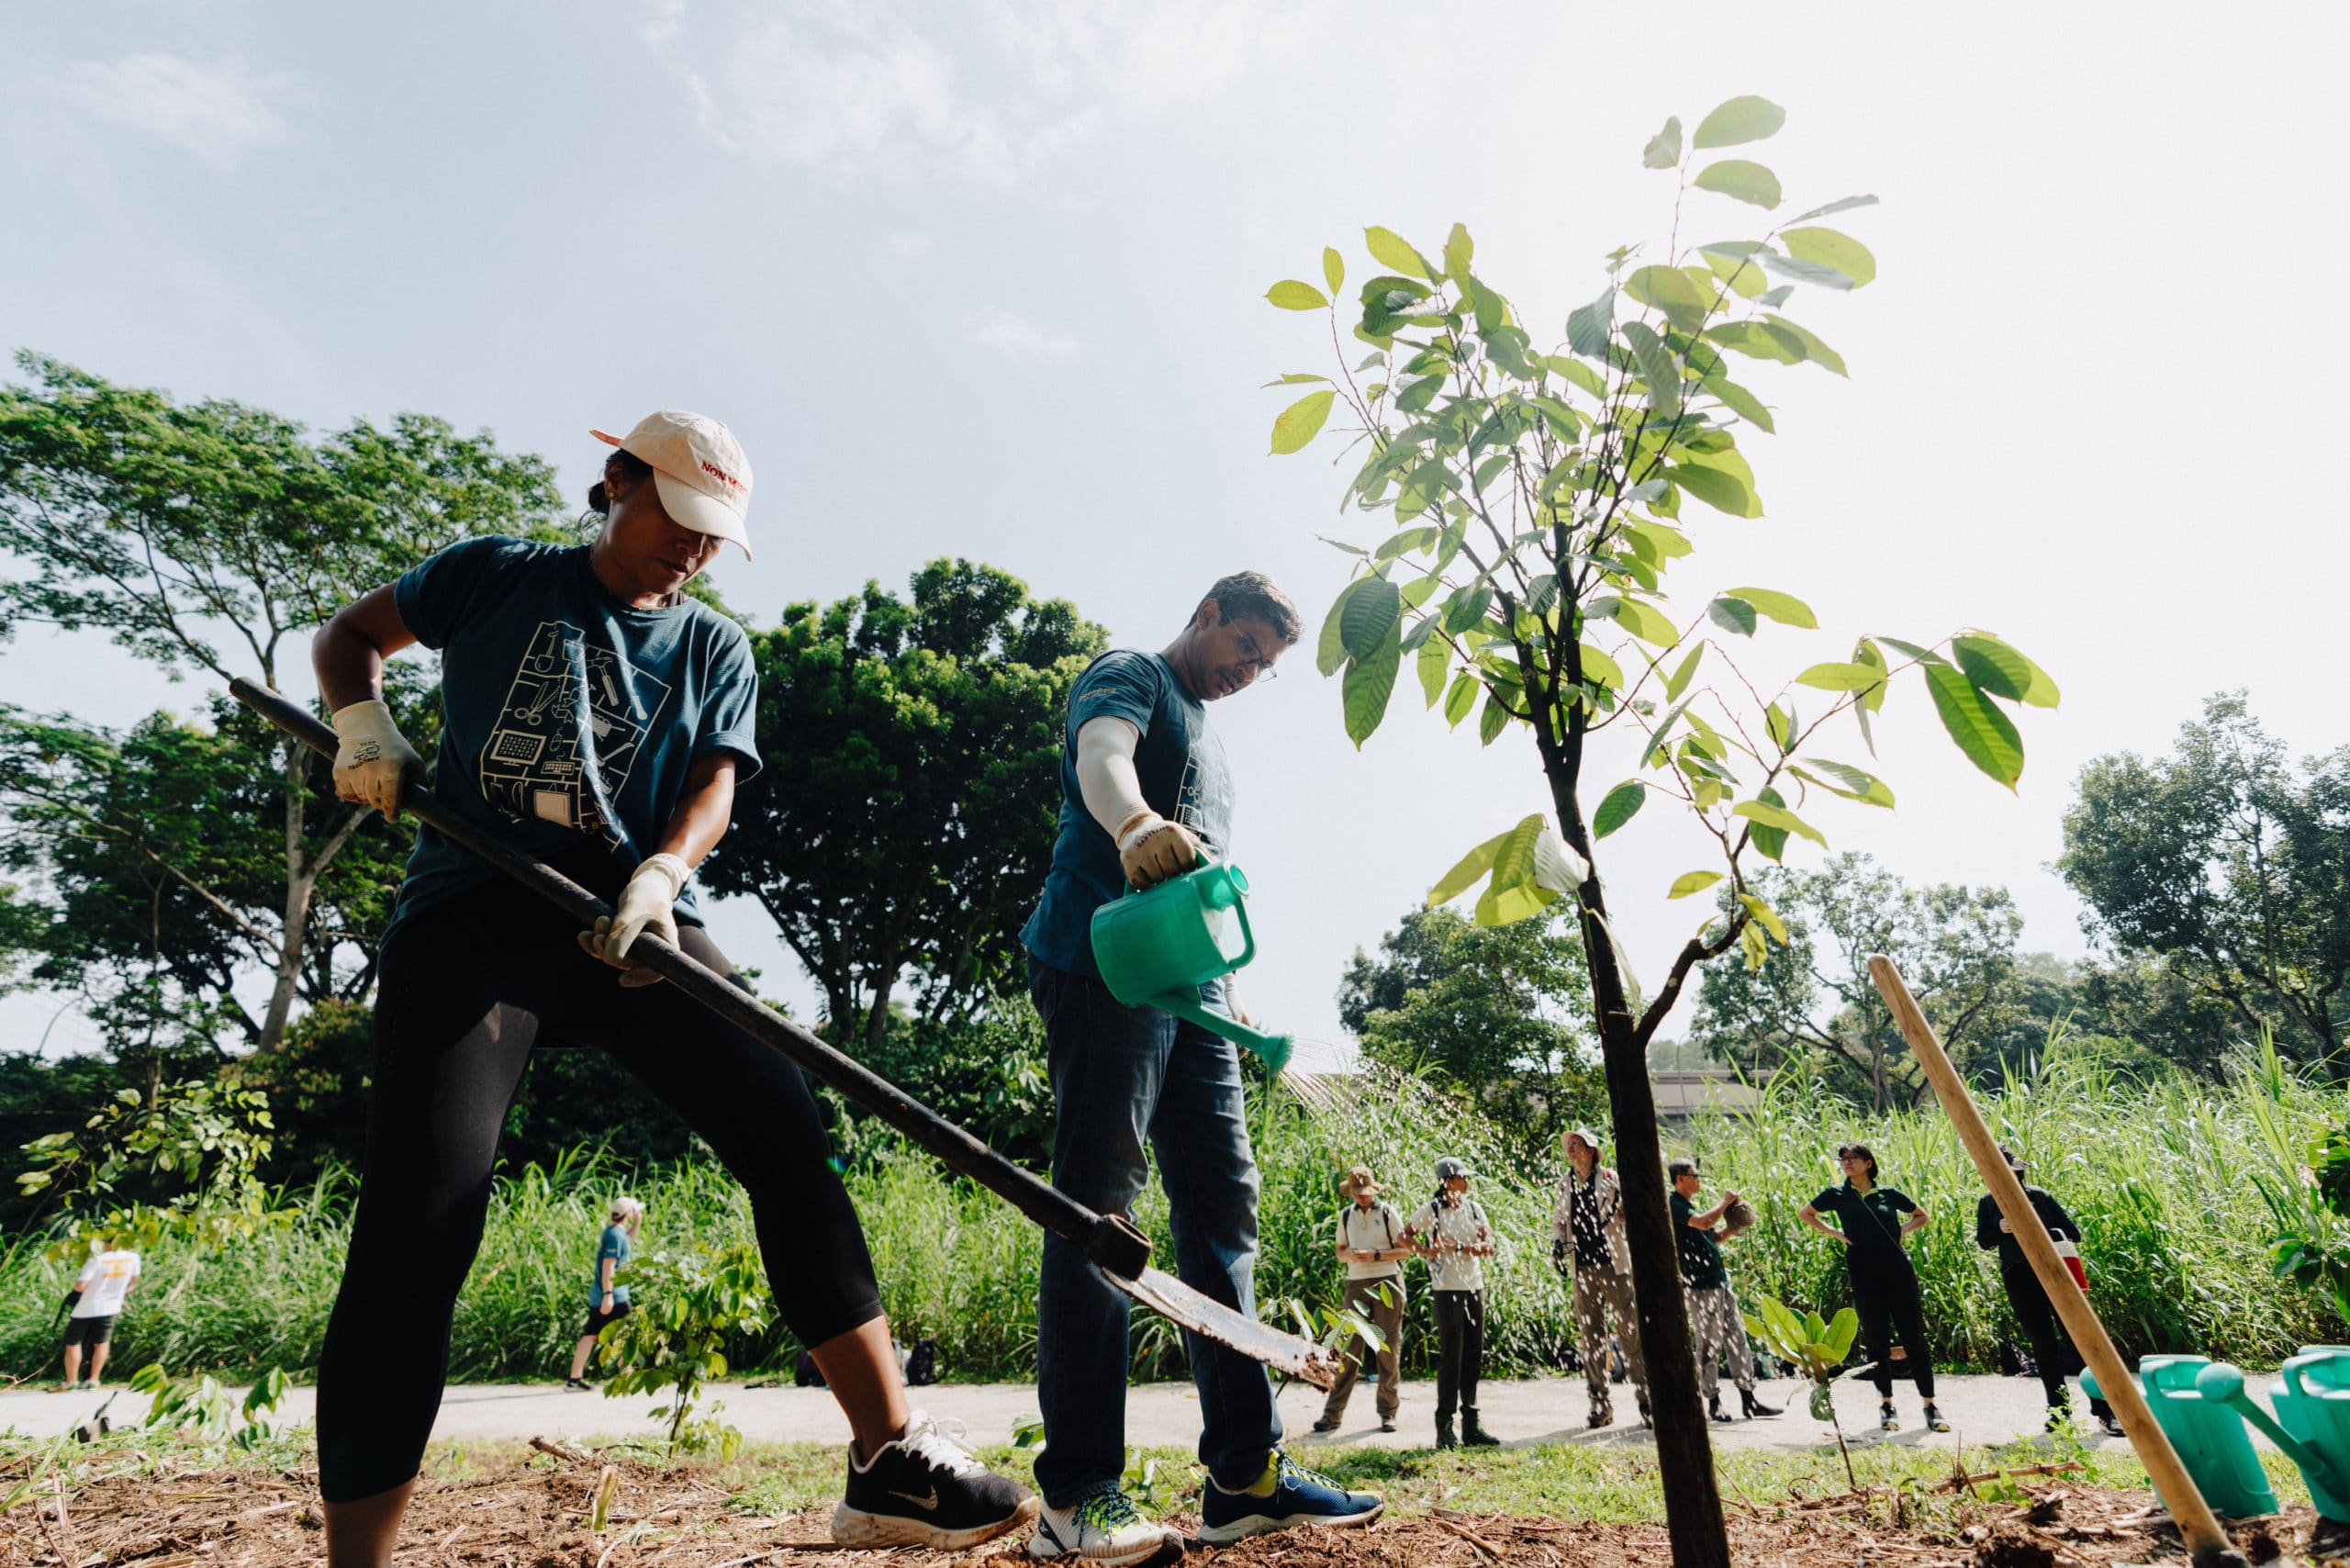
x,y
1156,948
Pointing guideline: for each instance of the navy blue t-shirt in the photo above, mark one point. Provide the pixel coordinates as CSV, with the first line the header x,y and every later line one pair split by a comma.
x,y
1179,762
570,718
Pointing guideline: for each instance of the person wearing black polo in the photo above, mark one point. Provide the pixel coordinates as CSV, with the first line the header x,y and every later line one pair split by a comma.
x,y
2053,1352
1885,1285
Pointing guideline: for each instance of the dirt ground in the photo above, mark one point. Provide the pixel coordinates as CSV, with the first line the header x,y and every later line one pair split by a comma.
x,y
533,1517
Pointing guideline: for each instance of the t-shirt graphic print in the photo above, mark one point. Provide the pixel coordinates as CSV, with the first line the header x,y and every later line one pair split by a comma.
x,y
576,715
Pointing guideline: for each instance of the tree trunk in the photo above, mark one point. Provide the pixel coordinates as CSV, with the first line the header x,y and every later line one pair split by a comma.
x,y
300,880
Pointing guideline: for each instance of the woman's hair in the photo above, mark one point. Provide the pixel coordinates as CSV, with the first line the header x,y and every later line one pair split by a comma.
x,y
1676,1169
1857,1150
629,466
626,1209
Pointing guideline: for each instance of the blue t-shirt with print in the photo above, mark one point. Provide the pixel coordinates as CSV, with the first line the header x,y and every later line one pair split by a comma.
x,y
570,718
612,1244
1179,761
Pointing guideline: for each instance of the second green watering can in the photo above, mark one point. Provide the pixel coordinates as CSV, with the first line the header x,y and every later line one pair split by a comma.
x,y
1156,948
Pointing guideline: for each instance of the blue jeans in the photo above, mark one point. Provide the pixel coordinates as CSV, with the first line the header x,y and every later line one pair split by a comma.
x,y
1122,1075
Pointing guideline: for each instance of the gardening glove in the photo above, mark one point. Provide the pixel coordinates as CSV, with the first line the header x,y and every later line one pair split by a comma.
x,y
373,758
1151,848
643,905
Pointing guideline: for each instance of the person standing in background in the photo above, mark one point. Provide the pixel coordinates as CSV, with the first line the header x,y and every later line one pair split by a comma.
x,y
1714,1324
1885,1282
1456,1238
2053,1352
109,1277
1587,1245
606,1302
1372,1245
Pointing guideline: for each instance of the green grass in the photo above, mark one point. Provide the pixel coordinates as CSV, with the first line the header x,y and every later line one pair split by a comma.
x,y
2159,1175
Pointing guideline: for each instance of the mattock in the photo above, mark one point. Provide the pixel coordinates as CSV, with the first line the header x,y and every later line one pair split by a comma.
x,y
1115,1246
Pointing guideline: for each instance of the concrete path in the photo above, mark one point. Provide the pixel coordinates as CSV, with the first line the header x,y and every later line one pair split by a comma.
x,y
1522,1413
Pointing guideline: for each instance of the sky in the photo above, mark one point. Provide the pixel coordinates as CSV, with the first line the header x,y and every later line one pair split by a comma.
x,y
986,281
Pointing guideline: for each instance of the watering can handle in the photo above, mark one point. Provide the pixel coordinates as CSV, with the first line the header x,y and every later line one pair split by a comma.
x,y
2226,1385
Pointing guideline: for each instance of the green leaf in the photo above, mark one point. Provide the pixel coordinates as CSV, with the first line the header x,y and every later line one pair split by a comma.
x,y
1598,670
1292,294
1387,302
1471,866
1645,621
1831,248
1589,327
1767,916
1733,615
1663,376
1419,393
1575,371
1982,732
1847,1326
1680,681
1840,677
1492,720
1301,422
1459,251
1785,608
1334,269
1757,340
1460,699
1846,205
1621,805
1295,379
1368,617
1693,882
1850,782
1330,649
2002,671
1389,249
1734,265
1721,491
1369,683
1741,180
1769,815
1663,150
1740,401
1436,660
1780,721
1912,651
1801,271
1467,606
1814,349
1748,118
1669,290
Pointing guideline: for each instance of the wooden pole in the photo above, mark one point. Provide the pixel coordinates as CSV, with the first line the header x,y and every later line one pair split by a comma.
x,y
2205,1539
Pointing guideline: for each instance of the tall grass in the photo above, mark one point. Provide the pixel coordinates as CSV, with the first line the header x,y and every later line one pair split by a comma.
x,y
2158,1174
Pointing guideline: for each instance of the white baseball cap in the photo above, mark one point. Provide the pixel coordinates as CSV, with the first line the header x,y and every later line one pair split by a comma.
x,y
698,470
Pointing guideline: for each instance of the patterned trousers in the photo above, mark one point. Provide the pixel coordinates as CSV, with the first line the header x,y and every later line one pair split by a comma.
x,y
1599,1292
1716,1330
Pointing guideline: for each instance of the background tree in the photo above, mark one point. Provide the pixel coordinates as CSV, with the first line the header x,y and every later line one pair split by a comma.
x,y
1494,1009
2230,866
206,534
1538,490
1812,994
903,819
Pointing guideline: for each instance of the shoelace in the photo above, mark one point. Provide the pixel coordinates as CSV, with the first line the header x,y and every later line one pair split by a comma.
x,y
1107,1512
1293,1470
925,1438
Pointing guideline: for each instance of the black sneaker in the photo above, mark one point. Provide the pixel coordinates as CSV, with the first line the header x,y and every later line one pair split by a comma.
x,y
926,1489
1886,1420
1325,1425
1935,1422
575,1383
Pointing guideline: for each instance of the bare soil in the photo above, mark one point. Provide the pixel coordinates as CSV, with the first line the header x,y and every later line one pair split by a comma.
x,y
532,1517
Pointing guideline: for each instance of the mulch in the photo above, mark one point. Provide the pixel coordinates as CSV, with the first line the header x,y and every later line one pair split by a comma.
x,y
530,1516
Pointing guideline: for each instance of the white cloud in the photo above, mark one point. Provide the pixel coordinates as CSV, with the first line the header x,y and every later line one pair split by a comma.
x,y
219,113
1015,337
981,93
906,247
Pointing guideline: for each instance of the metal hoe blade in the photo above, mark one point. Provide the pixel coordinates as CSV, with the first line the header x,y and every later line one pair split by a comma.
x,y
1114,1246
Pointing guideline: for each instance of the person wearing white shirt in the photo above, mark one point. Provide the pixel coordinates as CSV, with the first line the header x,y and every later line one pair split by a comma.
x,y
1450,1232
111,1274
1372,1243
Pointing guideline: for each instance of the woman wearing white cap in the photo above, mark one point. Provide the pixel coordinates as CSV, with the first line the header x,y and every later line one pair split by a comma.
x,y
598,718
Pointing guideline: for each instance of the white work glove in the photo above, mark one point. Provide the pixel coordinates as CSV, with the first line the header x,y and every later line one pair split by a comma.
x,y
643,905
373,758
1151,848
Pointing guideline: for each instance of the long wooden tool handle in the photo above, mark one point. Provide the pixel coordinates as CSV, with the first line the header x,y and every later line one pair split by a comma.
x,y
1118,1247
2205,1539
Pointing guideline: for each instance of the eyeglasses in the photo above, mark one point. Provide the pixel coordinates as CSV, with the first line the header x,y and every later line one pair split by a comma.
x,y
1253,659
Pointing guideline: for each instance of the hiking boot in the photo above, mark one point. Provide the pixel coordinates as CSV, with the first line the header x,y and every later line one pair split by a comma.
x,y
1471,1433
1935,1422
1714,1411
1387,1422
1444,1437
1287,1493
1327,1424
1602,1414
1753,1406
1886,1420
926,1489
1104,1527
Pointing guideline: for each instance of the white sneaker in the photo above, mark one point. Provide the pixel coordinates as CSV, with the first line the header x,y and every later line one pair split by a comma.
x,y
1103,1528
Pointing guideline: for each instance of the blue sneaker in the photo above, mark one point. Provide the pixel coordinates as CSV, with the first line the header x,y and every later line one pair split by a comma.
x,y
1288,1493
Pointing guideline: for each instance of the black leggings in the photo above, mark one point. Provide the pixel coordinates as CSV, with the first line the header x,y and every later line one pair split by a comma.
x,y
467,987
1460,1349
2052,1351
1888,1302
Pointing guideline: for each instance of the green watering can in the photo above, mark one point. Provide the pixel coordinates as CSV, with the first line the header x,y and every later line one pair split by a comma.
x,y
2312,1425
1156,948
2208,1434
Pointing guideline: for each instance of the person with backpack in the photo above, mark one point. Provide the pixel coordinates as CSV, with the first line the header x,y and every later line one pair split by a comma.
x,y
1450,1232
1587,1245
606,1302
1885,1283
2052,1351
1372,1245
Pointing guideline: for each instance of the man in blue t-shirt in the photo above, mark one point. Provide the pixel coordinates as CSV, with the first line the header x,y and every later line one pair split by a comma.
x,y
1144,795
